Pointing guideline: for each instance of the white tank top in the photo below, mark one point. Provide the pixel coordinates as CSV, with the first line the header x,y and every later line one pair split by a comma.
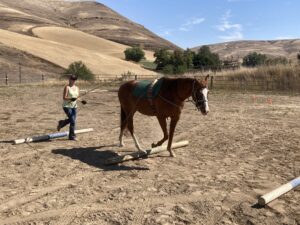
x,y
73,92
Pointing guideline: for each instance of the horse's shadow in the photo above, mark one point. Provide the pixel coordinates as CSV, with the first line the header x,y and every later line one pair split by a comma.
x,y
93,157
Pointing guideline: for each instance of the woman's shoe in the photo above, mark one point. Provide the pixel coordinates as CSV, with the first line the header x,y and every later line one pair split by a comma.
x,y
73,139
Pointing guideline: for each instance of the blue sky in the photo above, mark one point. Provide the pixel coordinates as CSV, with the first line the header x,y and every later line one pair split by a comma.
x,y
190,23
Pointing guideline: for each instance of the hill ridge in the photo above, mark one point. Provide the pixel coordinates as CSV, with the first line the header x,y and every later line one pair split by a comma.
x,y
238,49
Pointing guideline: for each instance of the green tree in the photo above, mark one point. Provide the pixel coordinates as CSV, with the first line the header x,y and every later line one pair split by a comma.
x,y
206,59
135,54
163,58
254,59
177,58
182,61
168,69
176,62
298,57
80,70
188,58
180,69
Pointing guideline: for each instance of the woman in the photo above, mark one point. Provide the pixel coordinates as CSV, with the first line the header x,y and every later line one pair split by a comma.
x,y
70,96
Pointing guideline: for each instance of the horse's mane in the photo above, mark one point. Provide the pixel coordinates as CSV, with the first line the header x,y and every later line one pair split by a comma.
x,y
172,87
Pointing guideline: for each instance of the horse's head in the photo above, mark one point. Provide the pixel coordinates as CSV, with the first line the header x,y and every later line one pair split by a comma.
x,y
200,95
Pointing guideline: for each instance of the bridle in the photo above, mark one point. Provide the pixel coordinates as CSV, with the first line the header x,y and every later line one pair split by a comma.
x,y
197,102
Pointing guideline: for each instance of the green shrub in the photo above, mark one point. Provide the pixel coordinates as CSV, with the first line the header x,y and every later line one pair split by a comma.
x,y
80,70
206,59
181,69
254,59
163,58
148,64
168,69
135,54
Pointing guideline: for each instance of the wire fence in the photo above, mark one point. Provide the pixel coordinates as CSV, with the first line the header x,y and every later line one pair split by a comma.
x,y
291,84
276,83
6,79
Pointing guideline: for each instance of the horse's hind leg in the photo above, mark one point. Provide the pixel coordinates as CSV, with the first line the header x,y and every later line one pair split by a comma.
x,y
163,124
131,130
123,125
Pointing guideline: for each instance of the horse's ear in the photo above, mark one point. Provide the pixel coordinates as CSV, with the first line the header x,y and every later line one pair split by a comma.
x,y
206,78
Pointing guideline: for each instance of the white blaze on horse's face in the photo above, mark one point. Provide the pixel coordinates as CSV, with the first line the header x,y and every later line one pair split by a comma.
x,y
205,98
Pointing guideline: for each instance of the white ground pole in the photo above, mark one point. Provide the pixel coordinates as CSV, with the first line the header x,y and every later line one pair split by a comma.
x,y
136,155
265,199
50,136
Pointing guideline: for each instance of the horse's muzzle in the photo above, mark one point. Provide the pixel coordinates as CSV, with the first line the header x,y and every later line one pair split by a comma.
x,y
204,113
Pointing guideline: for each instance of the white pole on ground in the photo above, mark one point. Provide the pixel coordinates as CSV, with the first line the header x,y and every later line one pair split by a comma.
x,y
136,155
49,136
265,199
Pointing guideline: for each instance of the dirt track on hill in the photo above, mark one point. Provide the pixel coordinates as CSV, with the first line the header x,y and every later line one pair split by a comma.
x,y
243,148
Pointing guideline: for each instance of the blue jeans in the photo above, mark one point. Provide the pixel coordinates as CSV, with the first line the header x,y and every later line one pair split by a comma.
x,y
71,113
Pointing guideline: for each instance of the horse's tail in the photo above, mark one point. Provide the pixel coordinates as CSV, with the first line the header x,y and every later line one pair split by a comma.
x,y
123,118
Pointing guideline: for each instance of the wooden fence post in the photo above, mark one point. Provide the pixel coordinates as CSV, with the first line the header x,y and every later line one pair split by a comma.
x,y
135,77
6,79
211,82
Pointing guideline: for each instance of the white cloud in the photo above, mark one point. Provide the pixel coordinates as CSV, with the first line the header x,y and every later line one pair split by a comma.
x,y
232,31
191,23
187,26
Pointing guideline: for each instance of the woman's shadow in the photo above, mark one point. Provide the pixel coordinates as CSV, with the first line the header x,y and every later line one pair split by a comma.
x,y
95,157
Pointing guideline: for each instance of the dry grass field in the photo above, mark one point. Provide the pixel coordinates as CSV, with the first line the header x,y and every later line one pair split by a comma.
x,y
85,41
64,54
245,147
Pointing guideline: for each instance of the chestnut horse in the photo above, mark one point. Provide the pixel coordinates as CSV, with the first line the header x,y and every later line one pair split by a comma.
x,y
168,103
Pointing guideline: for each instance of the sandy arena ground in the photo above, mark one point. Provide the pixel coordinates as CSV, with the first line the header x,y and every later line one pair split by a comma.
x,y
243,148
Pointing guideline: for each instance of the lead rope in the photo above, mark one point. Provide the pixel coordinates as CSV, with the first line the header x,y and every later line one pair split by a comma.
x,y
188,100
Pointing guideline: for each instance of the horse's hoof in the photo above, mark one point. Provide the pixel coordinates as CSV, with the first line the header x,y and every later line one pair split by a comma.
x,y
153,145
172,154
121,145
142,153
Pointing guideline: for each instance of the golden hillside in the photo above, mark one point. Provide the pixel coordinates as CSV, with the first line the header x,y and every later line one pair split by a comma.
x,y
85,41
50,36
91,17
239,49
62,54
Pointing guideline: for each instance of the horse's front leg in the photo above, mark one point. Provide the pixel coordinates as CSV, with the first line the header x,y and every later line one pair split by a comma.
x,y
163,124
173,124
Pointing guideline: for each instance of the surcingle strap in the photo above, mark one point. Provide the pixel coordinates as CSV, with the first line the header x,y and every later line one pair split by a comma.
x,y
150,93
